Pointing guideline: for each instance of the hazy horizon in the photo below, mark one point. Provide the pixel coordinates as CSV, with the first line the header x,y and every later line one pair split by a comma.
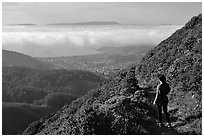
x,y
47,41
58,40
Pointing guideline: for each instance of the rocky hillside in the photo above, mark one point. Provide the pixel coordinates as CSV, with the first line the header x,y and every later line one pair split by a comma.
x,y
124,106
179,57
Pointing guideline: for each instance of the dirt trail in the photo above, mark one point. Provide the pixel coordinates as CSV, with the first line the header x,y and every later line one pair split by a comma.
x,y
163,130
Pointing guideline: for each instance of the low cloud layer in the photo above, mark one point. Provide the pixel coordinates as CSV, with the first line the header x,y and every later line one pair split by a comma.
x,y
68,41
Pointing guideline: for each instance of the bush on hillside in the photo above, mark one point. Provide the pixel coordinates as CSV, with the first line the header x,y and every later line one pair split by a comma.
x,y
58,99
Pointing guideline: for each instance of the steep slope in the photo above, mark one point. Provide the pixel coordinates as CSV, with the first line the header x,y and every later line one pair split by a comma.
x,y
120,106
11,58
179,57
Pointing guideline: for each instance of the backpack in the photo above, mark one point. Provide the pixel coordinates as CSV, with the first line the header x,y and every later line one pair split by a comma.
x,y
164,89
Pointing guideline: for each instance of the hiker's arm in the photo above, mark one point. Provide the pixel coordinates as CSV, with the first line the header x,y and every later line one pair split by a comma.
x,y
156,95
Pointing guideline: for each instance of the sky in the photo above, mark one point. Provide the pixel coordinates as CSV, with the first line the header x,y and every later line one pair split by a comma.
x,y
46,41
123,12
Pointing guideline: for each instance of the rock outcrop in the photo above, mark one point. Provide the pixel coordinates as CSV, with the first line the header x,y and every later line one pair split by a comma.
x,y
179,57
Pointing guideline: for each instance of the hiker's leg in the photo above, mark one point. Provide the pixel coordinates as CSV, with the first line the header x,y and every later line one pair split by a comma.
x,y
159,109
166,113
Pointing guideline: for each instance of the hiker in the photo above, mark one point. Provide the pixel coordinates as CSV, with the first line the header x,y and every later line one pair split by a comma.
x,y
161,99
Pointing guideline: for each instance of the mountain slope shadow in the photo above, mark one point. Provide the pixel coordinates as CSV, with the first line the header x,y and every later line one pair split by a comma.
x,y
17,116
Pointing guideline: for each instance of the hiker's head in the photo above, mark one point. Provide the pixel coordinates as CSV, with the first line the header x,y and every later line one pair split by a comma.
x,y
162,78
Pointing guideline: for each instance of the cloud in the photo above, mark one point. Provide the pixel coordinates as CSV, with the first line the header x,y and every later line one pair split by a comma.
x,y
64,41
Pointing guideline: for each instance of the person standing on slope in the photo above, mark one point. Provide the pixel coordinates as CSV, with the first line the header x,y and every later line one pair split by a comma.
x,y
161,99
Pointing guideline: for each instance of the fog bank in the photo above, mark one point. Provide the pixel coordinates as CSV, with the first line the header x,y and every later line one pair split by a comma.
x,y
44,41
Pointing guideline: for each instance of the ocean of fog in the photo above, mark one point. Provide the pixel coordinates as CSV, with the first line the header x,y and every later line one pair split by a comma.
x,y
50,40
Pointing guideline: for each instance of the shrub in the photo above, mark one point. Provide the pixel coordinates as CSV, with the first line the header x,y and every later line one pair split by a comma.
x,y
58,99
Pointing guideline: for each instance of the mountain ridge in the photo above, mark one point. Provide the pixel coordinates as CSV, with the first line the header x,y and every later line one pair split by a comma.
x,y
12,58
123,105
89,23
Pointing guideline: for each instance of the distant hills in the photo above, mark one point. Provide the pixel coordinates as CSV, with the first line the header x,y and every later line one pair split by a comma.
x,y
120,106
108,62
77,23
89,23
86,23
127,50
22,24
11,58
